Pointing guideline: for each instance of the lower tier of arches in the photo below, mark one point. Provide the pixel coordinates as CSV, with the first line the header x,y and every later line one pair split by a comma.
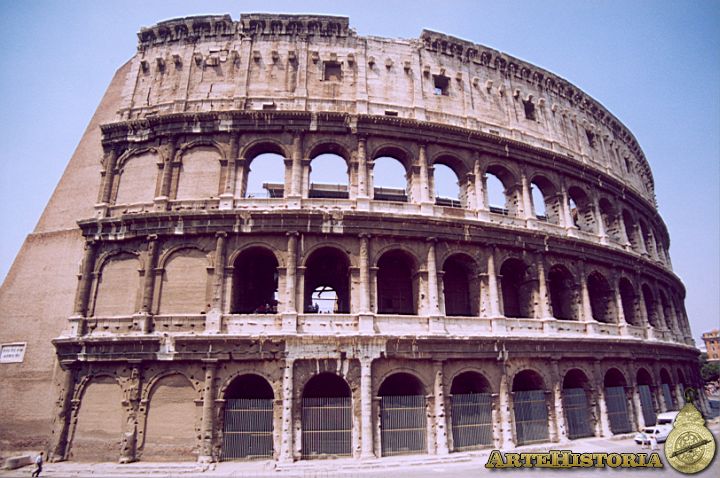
x,y
361,398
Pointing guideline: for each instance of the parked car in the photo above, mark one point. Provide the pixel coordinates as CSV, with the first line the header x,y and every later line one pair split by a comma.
x,y
661,429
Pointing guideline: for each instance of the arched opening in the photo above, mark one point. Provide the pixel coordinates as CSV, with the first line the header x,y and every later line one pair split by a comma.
x,y
681,385
650,307
602,298
647,404
576,405
99,422
248,423
616,400
403,415
328,177
629,302
396,289
326,417
471,411
547,204
581,210
255,282
327,282
629,224
609,217
264,177
667,390
530,408
184,283
648,240
137,180
502,191
389,180
118,285
517,289
447,186
200,173
171,417
460,286
561,285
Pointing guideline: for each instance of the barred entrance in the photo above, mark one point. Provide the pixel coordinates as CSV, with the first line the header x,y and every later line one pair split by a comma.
x,y
617,410
471,412
326,417
577,411
646,403
248,419
403,416
530,408
667,395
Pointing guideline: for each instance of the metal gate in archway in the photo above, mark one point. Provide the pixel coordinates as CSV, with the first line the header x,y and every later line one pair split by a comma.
x,y
667,395
531,416
577,413
403,424
248,428
646,403
617,410
326,427
471,420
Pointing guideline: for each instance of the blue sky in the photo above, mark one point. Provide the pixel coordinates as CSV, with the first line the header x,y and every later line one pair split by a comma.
x,y
654,64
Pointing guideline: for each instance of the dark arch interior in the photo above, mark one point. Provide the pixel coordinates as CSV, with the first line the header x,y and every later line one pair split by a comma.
x,y
649,305
643,377
255,282
527,380
326,384
470,382
601,298
249,386
395,284
561,285
613,378
516,289
627,297
458,281
575,379
665,377
328,267
681,377
401,384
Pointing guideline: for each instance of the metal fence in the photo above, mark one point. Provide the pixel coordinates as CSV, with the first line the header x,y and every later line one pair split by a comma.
x,y
531,416
326,427
248,428
667,395
577,413
646,403
617,410
403,424
471,420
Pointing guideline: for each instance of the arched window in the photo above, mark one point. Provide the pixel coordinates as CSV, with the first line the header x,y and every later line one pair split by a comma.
x,y
118,287
602,298
264,177
248,418
576,400
199,174
471,411
496,199
170,430
629,302
447,187
328,177
184,283
503,192
563,295
581,210
255,282
326,417
650,306
530,408
648,240
629,224
389,180
138,178
403,415
538,200
517,289
546,200
327,282
396,289
610,220
460,286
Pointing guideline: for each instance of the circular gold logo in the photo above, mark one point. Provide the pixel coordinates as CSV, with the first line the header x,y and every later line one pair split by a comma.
x,y
690,447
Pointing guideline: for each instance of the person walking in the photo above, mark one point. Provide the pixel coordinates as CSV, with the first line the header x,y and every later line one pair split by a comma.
x,y
38,465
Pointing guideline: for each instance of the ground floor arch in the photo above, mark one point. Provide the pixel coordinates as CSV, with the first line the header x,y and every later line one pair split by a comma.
x,y
326,417
99,423
529,408
248,419
403,415
471,411
576,399
645,393
616,401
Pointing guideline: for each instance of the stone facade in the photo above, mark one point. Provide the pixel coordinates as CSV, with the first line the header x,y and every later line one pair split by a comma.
x,y
193,332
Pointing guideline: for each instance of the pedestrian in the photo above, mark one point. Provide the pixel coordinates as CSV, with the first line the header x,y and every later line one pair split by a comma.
x,y
653,442
644,441
38,465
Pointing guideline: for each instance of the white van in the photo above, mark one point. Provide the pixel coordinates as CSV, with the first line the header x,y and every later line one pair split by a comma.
x,y
660,430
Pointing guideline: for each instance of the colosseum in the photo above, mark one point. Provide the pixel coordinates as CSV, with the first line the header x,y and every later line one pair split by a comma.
x,y
207,295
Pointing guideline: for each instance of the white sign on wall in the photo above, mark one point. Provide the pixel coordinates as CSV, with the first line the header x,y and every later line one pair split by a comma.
x,y
12,353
